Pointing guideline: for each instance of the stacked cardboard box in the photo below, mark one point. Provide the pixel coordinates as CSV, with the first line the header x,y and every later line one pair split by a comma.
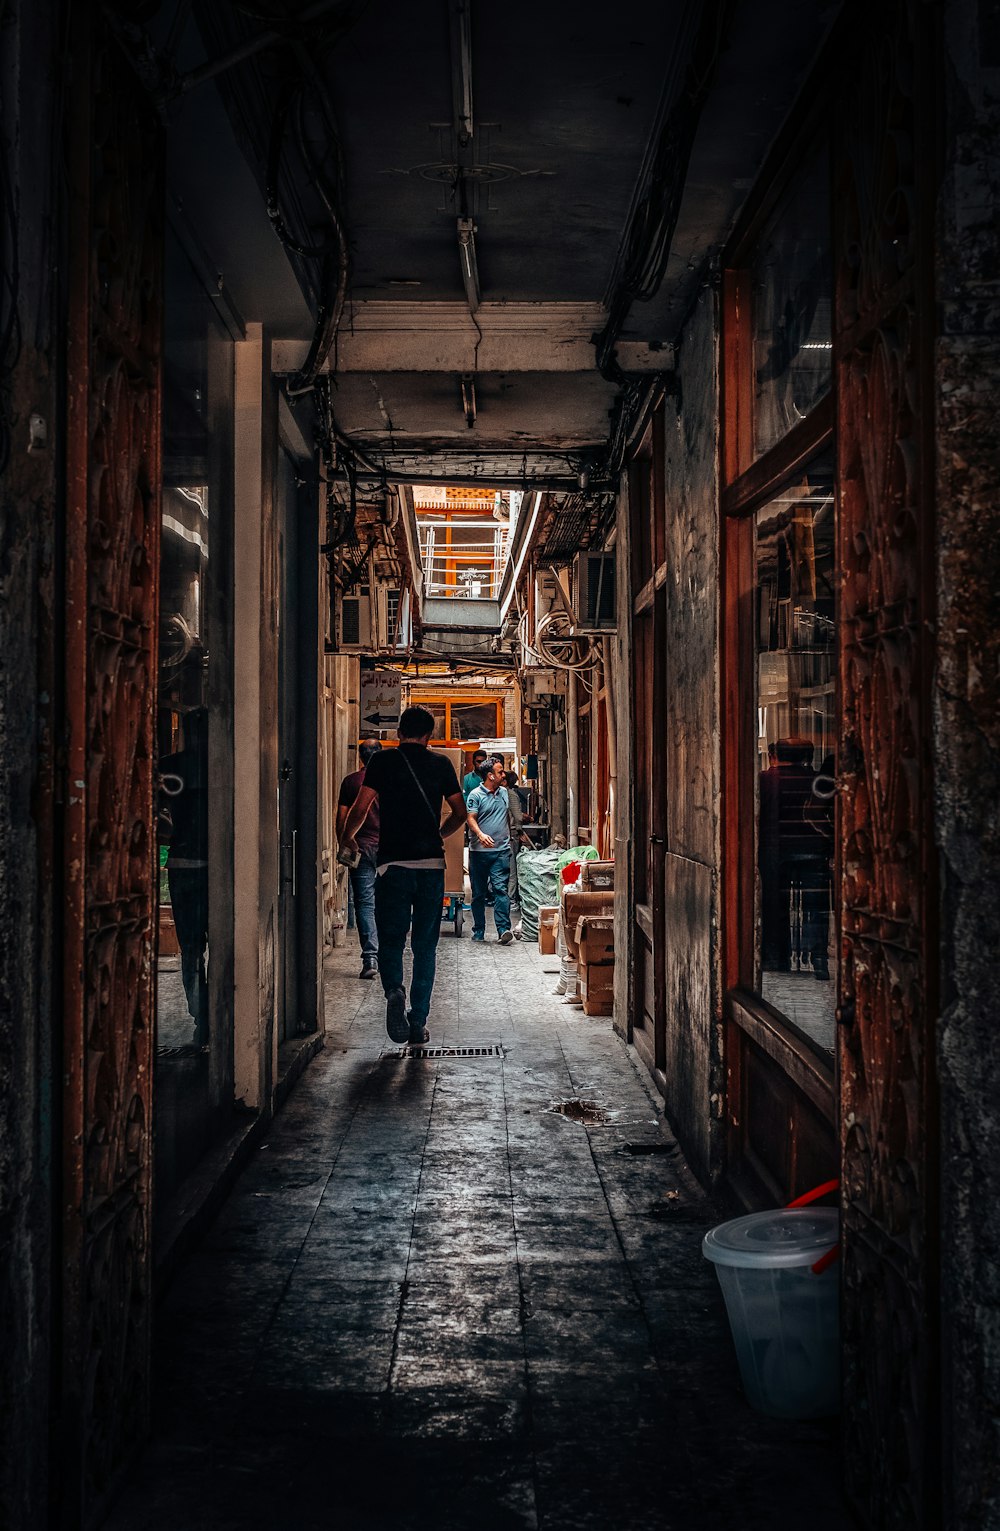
x,y
595,940
588,931
575,906
598,876
548,929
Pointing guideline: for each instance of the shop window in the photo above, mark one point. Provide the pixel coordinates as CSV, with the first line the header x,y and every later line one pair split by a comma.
x,y
439,712
194,725
794,751
791,298
474,720
781,720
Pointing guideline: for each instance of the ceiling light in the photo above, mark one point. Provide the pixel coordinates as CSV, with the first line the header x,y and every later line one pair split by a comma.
x,y
467,258
469,399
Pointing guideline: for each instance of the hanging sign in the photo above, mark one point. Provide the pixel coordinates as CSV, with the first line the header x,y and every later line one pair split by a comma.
x,y
380,698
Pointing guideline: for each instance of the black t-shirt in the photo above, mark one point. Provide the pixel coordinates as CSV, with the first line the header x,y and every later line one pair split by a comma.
x,y
408,827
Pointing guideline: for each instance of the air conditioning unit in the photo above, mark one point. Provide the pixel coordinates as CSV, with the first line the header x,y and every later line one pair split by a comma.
x,y
594,592
363,620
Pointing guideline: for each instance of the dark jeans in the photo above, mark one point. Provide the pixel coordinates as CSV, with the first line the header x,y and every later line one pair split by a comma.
x,y
409,899
189,907
490,870
363,879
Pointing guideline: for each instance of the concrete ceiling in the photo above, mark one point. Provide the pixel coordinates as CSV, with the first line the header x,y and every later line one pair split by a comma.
x,y
564,103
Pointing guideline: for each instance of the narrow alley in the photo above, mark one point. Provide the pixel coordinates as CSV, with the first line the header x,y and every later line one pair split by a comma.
x,y
512,484
432,1300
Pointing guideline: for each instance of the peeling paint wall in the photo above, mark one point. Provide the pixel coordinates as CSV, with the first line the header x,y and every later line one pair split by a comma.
x,y
693,1004
967,769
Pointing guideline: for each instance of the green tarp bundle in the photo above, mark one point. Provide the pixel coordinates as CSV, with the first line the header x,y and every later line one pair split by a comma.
x,y
538,881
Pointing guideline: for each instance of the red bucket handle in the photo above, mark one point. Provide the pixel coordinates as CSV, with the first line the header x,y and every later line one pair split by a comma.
x,y
825,1261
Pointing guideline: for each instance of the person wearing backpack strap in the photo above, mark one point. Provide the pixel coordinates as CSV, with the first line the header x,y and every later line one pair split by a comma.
x,y
411,784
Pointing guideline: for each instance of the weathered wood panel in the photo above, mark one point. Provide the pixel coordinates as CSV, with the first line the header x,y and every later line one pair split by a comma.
x,y
884,164
114,155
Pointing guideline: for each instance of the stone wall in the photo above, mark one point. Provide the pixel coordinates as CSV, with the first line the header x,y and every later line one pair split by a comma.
x,y
967,764
693,1004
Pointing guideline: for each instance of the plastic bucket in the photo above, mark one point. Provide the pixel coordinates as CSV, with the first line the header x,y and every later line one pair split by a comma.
x,y
784,1318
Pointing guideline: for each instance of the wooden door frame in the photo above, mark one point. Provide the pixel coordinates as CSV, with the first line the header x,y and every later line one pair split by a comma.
x,y
755,1035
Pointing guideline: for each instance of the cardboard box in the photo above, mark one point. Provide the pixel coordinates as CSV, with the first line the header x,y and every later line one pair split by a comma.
x,y
548,929
598,876
597,987
575,906
595,938
454,846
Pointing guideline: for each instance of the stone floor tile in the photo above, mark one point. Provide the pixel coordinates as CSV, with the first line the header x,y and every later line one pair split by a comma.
x,y
432,1302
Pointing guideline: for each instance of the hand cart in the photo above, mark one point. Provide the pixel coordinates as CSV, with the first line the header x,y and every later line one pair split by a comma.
x,y
453,910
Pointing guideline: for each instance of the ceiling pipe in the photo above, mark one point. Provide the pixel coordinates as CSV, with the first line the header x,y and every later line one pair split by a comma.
x,y
460,17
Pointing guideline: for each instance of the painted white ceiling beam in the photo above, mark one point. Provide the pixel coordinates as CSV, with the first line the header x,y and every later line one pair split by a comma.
x,y
377,336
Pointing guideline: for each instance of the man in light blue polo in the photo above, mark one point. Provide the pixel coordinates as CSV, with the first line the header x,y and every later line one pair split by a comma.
x,y
489,851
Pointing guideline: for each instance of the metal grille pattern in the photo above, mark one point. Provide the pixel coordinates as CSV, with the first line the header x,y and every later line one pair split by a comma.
x,y
885,481
492,1051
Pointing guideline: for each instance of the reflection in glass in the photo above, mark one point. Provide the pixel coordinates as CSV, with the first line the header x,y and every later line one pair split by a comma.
x,y
796,672
473,720
182,727
791,275
437,712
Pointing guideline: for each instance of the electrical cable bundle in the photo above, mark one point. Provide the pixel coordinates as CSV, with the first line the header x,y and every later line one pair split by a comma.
x,y
558,647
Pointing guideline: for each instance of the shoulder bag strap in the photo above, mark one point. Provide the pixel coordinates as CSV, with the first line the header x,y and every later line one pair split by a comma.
x,y
423,794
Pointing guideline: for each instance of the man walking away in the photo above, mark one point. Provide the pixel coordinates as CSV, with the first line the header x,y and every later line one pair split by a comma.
x,y
363,875
472,779
410,783
489,852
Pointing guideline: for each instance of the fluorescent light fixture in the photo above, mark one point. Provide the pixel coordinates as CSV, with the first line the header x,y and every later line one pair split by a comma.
x,y
467,257
469,399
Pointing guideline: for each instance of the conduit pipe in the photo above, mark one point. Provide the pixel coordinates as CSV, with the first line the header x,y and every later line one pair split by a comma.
x,y
611,719
572,761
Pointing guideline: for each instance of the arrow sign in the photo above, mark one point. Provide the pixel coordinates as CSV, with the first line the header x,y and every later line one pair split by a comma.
x,y
380,697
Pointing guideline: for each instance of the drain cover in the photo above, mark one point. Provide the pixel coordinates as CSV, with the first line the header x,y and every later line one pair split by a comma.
x,y
492,1051
588,1112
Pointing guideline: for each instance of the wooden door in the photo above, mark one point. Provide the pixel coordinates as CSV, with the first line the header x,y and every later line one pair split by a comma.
x,y
114,158
883,351
649,755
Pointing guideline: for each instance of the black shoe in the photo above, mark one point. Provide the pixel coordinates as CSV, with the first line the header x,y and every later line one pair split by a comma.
x,y
506,938
419,1036
369,968
396,1023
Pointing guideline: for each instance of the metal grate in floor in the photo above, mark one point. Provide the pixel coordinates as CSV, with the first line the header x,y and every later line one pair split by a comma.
x,y
494,1050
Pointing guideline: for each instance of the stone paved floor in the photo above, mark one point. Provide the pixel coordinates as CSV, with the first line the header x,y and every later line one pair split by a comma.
x,y
432,1302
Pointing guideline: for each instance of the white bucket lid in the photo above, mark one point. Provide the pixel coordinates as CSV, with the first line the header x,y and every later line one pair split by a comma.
x,y
781,1237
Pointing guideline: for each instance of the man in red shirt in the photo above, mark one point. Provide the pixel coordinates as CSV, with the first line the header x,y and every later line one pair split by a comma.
x,y
363,875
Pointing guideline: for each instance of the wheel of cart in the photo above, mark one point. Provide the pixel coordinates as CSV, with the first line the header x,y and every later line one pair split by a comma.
x,y
453,911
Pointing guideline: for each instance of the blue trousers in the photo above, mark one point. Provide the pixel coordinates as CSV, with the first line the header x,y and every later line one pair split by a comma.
x,y
490,869
409,900
363,878
189,906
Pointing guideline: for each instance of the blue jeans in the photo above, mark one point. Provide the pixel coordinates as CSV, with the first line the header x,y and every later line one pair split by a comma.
x,y
363,878
409,899
189,906
490,869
